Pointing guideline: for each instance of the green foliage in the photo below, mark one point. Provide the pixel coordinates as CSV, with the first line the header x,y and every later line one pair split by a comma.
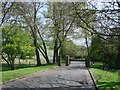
x,y
104,51
16,42
95,46
71,49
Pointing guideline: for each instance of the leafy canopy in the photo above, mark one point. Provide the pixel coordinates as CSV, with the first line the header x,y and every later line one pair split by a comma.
x,y
16,41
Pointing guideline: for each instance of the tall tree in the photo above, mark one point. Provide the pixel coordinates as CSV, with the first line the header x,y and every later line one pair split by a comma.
x,y
62,24
32,19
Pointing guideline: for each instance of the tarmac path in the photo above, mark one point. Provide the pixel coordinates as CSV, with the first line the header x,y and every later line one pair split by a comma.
x,y
73,77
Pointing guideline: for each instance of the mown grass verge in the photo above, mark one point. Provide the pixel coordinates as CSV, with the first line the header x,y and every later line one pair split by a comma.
x,y
106,80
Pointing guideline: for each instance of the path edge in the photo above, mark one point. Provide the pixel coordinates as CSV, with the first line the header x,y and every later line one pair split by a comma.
x,y
94,82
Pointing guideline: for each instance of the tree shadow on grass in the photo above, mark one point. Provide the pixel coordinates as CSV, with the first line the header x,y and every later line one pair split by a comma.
x,y
108,85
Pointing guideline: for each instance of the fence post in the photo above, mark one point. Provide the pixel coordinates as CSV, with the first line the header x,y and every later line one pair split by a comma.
x,y
59,60
67,60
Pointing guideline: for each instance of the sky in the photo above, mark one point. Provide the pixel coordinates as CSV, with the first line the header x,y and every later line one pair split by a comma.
x,y
80,41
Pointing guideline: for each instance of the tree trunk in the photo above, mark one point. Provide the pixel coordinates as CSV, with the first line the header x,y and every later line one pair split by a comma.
x,y
46,56
47,59
38,57
43,51
87,46
36,50
54,55
62,51
35,37
12,65
88,58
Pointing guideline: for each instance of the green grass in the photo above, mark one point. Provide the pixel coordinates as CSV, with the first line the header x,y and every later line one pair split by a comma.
x,y
106,80
5,66
78,59
11,74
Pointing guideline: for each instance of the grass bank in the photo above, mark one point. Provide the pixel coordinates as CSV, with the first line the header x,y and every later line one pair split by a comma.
x,y
106,80
8,74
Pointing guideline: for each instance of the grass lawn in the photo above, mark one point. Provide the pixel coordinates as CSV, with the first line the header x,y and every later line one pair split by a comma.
x,y
8,74
106,80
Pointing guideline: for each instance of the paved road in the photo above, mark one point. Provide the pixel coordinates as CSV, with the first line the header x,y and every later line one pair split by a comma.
x,y
71,77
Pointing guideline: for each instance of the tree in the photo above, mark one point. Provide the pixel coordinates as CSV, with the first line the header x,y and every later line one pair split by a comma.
x,y
70,48
32,19
104,51
62,24
104,21
31,15
15,42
